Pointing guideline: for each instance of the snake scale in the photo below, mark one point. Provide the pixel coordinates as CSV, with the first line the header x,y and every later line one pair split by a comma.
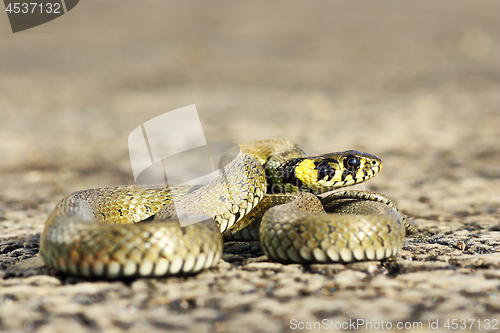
x,y
274,196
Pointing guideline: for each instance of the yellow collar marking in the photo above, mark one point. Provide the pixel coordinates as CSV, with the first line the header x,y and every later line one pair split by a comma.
x,y
305,171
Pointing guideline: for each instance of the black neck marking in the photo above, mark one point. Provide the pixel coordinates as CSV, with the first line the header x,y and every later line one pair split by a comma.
x,y
286,172
325,169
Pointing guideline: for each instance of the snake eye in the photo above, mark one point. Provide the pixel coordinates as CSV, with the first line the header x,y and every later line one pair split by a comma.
x,y
352,162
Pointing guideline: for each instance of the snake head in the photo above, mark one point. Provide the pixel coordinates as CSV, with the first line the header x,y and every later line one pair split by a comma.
x,y
326,172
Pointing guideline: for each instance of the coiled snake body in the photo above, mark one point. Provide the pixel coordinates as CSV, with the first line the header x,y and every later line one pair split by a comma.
x,y
270,194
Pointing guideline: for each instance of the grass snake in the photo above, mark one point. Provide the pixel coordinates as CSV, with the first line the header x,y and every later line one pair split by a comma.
x,y
273,193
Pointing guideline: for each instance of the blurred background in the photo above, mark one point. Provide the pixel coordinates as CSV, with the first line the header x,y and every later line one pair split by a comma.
x,y
415,82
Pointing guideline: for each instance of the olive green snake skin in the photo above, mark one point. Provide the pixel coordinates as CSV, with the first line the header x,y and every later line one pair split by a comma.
x,y
275,197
